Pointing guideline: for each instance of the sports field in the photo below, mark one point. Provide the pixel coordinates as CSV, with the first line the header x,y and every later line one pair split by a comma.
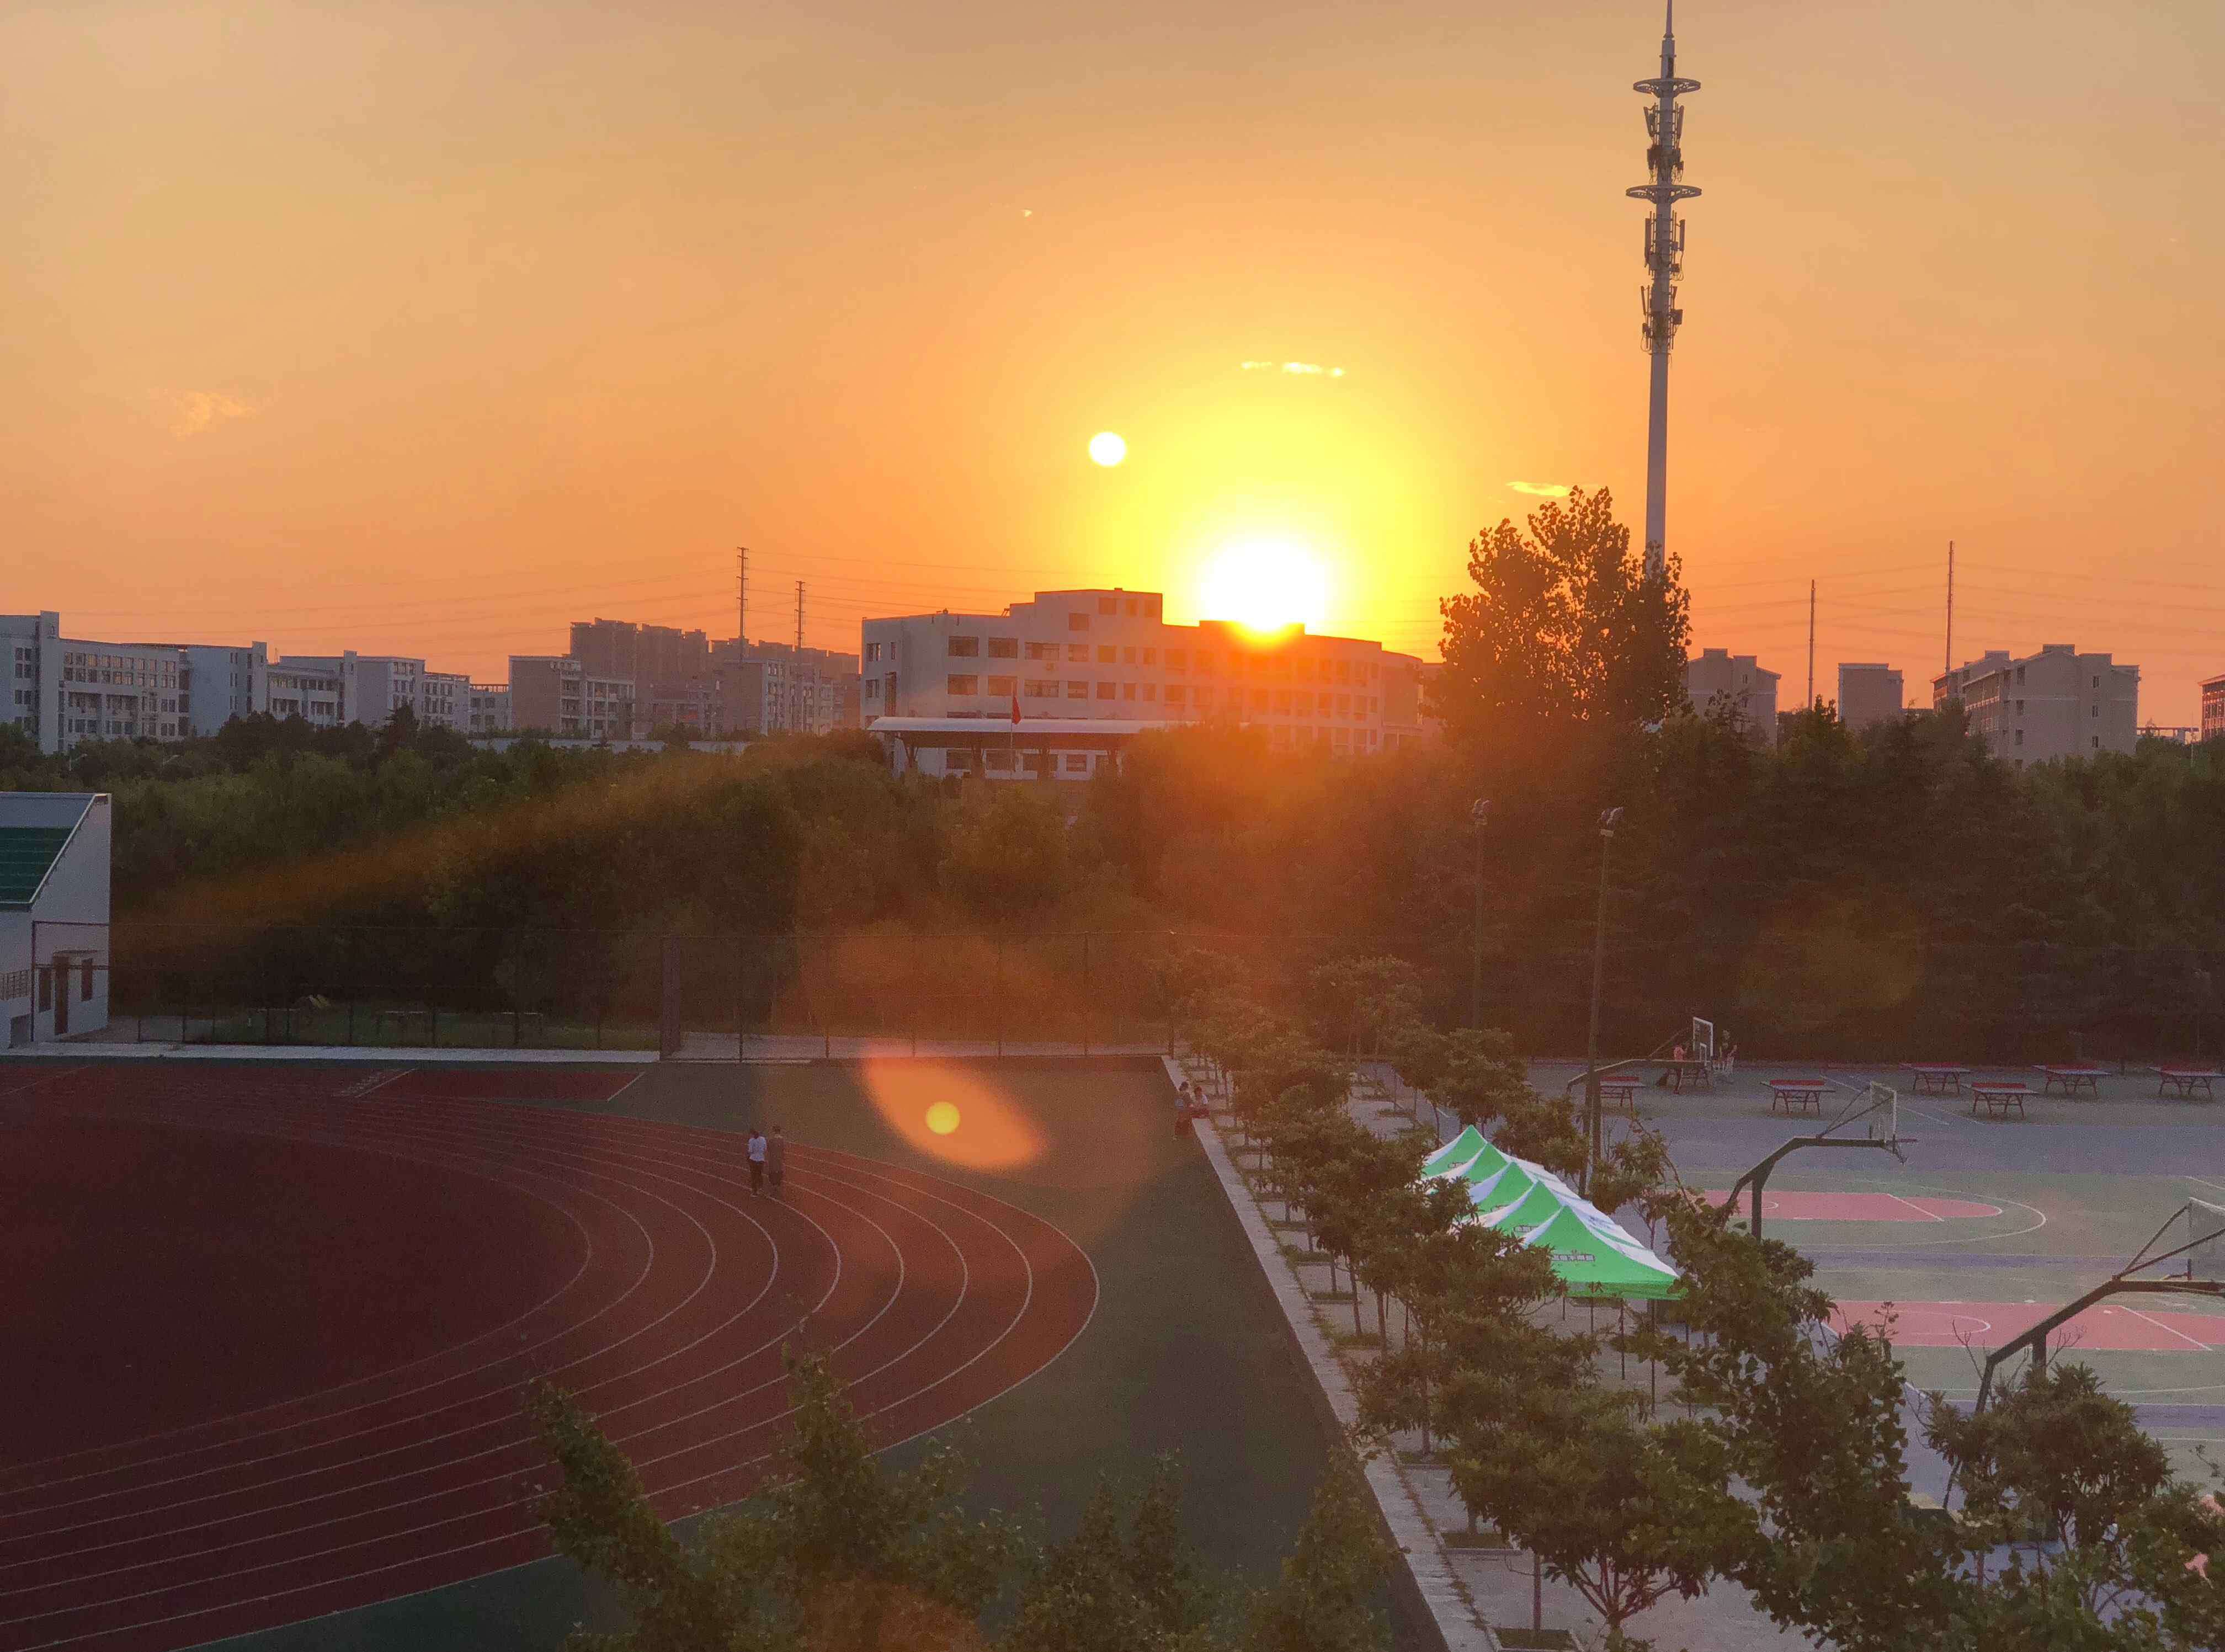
x,y
1989,1226
272,1321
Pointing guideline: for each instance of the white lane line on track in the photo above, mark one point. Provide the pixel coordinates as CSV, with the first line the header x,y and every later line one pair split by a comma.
x,y
972,1216
1929,1216
660,1491
2191,1342
234,1464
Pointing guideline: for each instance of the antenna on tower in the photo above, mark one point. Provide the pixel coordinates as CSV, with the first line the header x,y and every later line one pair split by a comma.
x,y
741,603
1950,605
1810,706
1664,262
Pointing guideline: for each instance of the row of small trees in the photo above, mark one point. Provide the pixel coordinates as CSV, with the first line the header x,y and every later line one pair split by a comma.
x,y
841,1553
1781,1462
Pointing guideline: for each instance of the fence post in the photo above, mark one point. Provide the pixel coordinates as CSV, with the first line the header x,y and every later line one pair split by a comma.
x,y
1085,992
741,996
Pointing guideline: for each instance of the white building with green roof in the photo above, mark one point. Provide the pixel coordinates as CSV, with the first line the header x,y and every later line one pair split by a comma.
x,y
54,915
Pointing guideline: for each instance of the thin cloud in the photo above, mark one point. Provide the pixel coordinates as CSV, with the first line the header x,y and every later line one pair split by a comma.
x,y
1543,489
1294,369
192,412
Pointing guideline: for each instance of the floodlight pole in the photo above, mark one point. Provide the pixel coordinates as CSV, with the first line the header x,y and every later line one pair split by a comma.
x,y
1609,819
1479,813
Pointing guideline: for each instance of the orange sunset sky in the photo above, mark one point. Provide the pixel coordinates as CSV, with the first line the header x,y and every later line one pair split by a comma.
x,y
429,328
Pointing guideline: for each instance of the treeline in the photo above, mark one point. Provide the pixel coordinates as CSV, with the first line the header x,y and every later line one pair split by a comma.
x,y
1900,893
1774,1453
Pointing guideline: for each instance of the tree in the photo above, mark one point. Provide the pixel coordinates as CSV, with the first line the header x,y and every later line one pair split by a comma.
x,y
1007,852
1562,633
1625,1512
1325,1600
1127,1580
842,1552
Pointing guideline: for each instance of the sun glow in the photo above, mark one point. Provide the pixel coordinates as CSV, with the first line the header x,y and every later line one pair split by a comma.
x,y
1265,585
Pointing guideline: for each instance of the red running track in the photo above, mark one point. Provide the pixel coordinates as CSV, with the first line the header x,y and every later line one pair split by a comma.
x,y
624,1259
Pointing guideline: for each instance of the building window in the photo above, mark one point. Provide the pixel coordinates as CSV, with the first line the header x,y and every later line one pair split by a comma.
x,y
1004,687
961,684
1074,763
1004,647
2019,736
1204,663
1178,659
1042,651
1127,691
1078,651
1077,622
1109,604
1077,691
1127,656
1107,690
1173,694
1107,655
2097,743
1151,607
1151,691
965,648
1041,688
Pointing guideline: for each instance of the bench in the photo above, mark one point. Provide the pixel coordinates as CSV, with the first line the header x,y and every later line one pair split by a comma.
x,y
1691,1070
1619,1092
2070,1078
1938,1077
1788,1093
1998,1096
2182,1081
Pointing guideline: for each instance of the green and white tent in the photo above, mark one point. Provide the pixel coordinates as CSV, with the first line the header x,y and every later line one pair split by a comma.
x,y
1456,1154
1506,1186
1592,1265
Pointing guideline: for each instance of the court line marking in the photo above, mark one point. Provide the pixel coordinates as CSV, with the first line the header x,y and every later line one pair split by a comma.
x,y
2161,1325
1929,1216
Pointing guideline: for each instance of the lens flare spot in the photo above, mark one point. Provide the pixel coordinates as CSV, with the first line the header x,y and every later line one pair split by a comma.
x,y
927,1104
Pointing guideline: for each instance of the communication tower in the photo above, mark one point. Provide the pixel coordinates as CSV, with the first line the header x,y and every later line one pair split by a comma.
x,y
1664,263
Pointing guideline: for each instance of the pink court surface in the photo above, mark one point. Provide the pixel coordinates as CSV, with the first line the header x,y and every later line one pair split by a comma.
x,y
2110,1327
1858,1207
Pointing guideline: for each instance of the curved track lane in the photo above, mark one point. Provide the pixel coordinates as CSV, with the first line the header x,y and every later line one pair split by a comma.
x,y
931,1299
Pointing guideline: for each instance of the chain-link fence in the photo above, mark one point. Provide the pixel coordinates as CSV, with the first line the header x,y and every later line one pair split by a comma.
x,y
720,996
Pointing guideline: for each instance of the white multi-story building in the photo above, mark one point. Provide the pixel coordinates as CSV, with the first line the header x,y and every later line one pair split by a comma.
x,y
490,708
444,700
2056,703
54,915
222,683
1110,655
65,691
311,692
2213,707
1869,694
553,693
1720,676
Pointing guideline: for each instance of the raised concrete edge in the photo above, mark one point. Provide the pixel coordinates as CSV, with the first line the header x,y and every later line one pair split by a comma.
x,y
379,1056
1432,1593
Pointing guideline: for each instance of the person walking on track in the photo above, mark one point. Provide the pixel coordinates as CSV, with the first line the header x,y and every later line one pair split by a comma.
x,y
776,1159
757,1152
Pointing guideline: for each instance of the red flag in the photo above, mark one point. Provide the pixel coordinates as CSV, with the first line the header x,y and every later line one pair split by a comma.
x,y
1016,707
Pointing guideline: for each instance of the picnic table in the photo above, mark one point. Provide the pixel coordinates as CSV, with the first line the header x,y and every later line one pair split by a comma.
x,y
2181,1080
1997,1096
1692,1067
2071,1076
1619,1093
1788,1093
1938,1077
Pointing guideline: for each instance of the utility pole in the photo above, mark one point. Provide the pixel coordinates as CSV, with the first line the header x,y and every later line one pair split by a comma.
x,y
1950,605
796,675
1810,706
1479,815
741,603
1608,821
1664,262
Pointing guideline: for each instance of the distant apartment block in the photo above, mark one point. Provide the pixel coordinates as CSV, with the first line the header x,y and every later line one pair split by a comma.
x,y
2056,703
615,650
1720,677
490,708
2213,707
1110,654
64,690
555,694
1869,695
311,692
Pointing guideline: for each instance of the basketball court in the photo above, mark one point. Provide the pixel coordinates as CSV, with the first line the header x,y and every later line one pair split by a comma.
x,y
1980,1229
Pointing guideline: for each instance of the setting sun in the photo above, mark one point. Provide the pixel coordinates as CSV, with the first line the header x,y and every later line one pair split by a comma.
x,y
1265,584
